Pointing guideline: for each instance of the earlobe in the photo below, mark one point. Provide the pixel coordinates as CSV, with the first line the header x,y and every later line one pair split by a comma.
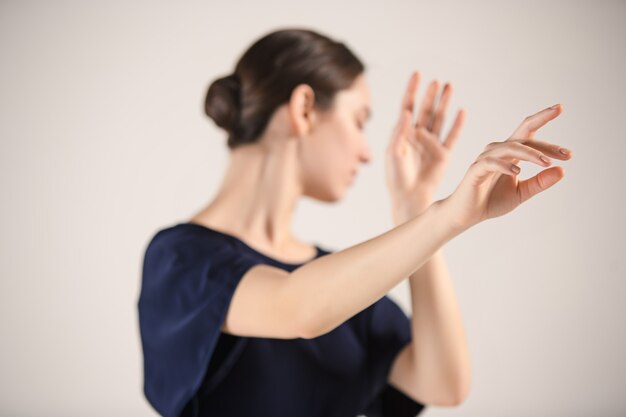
x,y
301,111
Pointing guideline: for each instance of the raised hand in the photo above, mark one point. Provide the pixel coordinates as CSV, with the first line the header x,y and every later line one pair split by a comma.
x,y
491,186
415,157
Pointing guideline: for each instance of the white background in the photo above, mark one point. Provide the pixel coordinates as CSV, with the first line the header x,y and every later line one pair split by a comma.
x,y
104,141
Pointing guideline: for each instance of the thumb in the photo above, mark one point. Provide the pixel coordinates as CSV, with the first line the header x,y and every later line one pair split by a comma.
x,y
540,182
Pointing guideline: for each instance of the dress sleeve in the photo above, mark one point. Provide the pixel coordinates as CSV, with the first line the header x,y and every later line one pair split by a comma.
x,y
185,293
388,331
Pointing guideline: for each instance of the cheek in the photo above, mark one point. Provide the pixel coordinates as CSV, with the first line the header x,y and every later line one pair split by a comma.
x,y
338,152
327,159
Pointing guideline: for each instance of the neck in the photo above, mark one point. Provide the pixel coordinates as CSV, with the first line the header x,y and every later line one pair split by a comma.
x,y
258,195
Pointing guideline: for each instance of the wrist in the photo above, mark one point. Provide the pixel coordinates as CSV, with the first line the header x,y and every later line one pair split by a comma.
x,y
441,225
408,209
448,215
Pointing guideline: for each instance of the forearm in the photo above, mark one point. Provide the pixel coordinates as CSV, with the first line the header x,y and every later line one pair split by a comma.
x,y
341,284
439,342
441,354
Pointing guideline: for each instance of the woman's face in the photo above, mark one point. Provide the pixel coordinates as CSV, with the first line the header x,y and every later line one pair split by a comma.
x,y
336,146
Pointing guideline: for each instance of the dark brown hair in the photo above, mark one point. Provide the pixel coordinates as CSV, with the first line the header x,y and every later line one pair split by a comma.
x,y
243,102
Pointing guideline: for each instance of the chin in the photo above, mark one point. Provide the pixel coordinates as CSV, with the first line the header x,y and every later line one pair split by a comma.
x,y
328,195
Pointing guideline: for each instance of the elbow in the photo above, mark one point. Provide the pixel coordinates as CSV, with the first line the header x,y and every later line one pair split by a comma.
x,y
458,394
450,394
459,388
457,399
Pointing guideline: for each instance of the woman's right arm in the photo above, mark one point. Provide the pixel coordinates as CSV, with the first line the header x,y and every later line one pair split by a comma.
x,y
322,294
343,283
325,292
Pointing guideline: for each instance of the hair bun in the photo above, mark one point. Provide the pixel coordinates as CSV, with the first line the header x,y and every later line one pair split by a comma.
x,y
222,101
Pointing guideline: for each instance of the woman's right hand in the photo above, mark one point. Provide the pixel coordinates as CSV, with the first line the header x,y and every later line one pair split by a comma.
x,y
491,188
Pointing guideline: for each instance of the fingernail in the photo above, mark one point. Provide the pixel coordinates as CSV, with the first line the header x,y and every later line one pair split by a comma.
x,y
564,151
555,106
544,159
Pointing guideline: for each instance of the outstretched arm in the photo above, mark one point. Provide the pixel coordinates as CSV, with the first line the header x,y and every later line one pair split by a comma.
x,y
362,274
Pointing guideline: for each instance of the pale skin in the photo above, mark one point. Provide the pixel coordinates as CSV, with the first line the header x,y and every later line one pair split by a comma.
x,y
264,181
416,160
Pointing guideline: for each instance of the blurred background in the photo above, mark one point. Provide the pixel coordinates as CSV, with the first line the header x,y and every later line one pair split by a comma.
x,y
104,141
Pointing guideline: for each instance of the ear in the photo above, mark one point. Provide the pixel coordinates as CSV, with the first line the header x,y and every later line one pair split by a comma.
x,y
301,109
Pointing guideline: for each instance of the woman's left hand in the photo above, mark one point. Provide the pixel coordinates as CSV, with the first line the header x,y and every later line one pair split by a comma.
x,y
415,159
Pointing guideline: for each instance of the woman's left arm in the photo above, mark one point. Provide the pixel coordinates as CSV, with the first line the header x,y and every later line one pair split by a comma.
x,y
435,367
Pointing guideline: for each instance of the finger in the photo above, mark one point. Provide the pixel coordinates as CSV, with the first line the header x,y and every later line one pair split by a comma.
x,y
429,140
401,132
515,151
540,182
440,113
550,149
484,167
426,111
408,102
455,130
532,123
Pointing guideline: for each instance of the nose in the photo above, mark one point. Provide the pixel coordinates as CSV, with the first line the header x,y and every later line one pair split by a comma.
x,y
366,153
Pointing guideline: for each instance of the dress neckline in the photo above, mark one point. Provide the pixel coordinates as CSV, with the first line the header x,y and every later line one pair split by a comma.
x,y
249,248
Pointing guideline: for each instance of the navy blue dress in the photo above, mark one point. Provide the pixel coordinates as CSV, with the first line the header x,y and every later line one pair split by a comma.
x,y
191,368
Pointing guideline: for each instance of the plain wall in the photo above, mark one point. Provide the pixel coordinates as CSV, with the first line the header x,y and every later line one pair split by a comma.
x,y
104,141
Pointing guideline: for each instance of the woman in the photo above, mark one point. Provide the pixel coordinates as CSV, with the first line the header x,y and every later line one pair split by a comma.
x,y
240,318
